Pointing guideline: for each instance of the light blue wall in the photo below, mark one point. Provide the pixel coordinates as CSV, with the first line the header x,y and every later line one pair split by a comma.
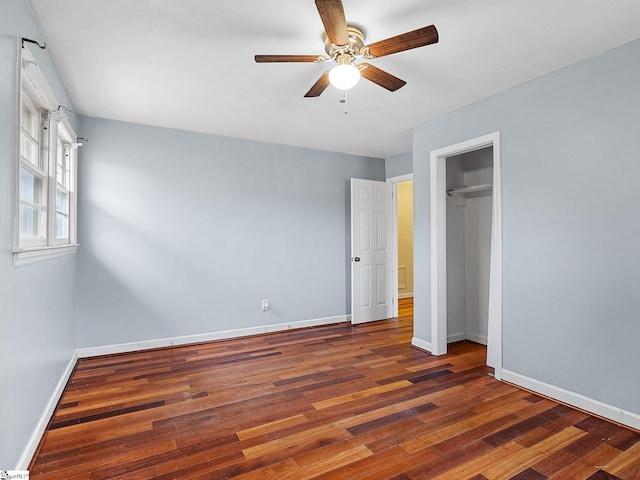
x,y
37,303
571,223
184,233
398,165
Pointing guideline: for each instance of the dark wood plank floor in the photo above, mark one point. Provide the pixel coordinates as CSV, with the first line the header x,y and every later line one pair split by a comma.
x,y
334,402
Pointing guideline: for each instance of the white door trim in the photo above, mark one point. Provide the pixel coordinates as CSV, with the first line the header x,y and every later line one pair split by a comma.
x,y
438,198
394,235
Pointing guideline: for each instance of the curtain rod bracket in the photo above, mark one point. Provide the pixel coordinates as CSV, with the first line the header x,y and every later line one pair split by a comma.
x,y
34,42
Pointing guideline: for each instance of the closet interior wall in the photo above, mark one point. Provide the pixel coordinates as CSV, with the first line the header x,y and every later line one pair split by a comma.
x,y
469,203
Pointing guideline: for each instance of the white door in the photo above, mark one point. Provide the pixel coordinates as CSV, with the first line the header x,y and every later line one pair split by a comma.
x,y
371,242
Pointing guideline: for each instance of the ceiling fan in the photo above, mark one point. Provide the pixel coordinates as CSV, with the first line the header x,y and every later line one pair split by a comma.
x,y
344,44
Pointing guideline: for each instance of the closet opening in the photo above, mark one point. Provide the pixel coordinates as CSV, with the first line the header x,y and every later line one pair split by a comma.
x,y
469,178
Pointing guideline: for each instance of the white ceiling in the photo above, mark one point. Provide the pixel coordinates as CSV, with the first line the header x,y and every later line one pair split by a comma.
x,y
189,64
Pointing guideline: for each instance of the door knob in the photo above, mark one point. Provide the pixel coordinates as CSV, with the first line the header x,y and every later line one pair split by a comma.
x,y
356,259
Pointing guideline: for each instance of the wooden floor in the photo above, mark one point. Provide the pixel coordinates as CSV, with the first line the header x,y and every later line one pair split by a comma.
x,y
334,402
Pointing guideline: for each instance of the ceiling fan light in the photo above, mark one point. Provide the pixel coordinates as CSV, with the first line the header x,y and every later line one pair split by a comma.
x,y
344,76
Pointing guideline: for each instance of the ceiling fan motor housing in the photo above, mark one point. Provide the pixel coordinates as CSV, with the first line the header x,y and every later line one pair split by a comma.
x,y
346,54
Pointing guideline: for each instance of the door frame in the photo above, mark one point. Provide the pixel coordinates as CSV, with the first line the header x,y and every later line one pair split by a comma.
x,y
394,235
438,237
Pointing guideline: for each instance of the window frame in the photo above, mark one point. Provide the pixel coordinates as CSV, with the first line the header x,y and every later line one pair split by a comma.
x,y
34,93
37,168
69,153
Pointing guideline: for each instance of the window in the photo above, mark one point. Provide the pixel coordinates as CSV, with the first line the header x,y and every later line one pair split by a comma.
x,y
64,158
46,186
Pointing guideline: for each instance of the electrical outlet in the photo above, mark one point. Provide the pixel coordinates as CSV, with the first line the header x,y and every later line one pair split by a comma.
x,y
265,304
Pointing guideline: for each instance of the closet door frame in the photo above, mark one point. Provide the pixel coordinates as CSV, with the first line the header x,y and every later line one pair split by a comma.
x,y
438,237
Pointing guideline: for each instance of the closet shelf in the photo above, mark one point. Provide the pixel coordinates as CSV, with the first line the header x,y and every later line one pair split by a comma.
x,y
463,191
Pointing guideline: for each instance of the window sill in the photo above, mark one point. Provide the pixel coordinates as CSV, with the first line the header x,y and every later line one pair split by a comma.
x,y
26,256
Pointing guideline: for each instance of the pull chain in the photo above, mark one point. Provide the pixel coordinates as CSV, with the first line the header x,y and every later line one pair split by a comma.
x,y
346,102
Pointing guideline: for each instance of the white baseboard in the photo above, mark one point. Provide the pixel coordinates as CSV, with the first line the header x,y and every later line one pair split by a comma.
x,y
405,295
207,337
421,344
577,400
456,337
474,337
41,427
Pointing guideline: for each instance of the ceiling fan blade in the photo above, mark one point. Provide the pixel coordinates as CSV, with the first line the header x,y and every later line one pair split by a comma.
x,y
289,58
406,41
380,77
319,87
334,21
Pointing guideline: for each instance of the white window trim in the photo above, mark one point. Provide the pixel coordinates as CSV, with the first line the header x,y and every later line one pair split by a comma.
x,y
33,255
38,88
